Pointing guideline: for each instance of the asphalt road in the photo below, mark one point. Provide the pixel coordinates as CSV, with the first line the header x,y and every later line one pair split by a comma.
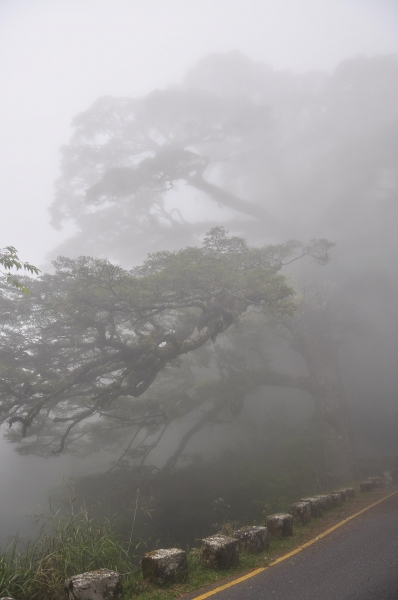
x,y
358,561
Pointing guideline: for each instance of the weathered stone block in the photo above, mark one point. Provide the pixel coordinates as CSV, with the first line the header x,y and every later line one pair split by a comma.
x,y
378,481
326,501
301,512
336,499
316,506
165,566
219,552
103,584
343,493
367,486
279,525
252,539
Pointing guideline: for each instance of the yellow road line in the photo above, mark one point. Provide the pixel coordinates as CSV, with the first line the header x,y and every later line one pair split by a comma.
x,y
230,584
292,553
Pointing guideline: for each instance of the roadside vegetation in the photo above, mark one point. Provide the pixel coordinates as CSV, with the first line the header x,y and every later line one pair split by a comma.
x,y
74,542
66,544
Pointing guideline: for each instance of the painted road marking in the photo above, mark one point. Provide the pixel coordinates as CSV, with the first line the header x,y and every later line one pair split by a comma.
x,y
292,553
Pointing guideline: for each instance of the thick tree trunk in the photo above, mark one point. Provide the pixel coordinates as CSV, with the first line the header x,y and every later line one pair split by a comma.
x,y
313,338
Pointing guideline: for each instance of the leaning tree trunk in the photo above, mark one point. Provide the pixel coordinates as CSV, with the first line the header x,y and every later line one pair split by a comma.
x,y
313,337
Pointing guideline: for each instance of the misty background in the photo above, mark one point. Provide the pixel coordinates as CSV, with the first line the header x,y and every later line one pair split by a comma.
x,y
291,57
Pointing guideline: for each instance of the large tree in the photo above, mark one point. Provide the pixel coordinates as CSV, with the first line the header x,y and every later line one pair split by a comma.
x,y
271,155
94,334
139,164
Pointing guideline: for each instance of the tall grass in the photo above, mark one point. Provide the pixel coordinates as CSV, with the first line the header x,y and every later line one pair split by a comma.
x,y
67,544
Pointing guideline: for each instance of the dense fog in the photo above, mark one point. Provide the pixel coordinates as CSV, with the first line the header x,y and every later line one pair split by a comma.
x,y
252,357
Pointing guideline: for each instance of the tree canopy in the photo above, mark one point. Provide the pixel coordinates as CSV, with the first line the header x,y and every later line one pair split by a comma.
x,y
94,333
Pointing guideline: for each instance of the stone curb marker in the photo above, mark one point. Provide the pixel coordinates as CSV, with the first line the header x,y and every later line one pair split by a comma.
x,y
343,494
373,482
316,506
337,499
326,501
103,584
252,539
165,566
301,511
367,486
280,525
219,552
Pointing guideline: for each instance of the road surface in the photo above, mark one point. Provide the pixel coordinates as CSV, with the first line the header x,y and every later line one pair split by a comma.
x,y
358,561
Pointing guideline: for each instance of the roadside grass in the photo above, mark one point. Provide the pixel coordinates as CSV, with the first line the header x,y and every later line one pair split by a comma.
x,y
66,545
75,542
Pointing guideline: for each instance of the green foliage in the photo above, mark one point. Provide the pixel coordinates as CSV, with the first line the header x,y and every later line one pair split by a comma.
x,y
94,333
9,260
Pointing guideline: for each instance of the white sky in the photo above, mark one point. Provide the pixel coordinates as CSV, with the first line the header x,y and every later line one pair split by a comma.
x,y
58,56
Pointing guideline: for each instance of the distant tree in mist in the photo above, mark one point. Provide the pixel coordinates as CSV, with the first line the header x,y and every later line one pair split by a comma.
x,y
263,147
127,159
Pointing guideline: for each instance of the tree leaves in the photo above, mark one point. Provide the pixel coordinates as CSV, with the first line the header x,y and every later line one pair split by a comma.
x,y
10,260
93,332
